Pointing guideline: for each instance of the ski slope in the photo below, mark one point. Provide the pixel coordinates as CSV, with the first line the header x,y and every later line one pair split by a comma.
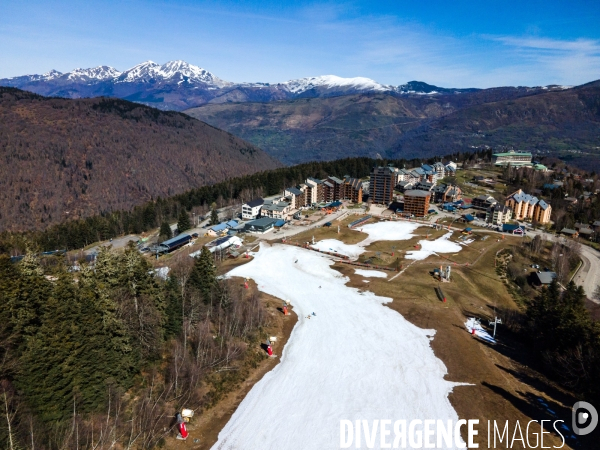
x,y
356,359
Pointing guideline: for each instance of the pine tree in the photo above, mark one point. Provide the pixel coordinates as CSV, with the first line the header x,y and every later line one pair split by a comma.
x,y
203,276
183,223
165,231
214,216
173,310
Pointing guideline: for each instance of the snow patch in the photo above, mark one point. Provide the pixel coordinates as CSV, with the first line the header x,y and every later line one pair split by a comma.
x,y
428,248
370,273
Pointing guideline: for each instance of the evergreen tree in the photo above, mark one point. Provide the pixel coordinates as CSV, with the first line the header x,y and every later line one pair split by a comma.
x,y
173,310
203,276
214,216
183,223
165,231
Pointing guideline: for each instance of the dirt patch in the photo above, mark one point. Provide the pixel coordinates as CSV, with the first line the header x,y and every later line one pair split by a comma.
x,y
206,426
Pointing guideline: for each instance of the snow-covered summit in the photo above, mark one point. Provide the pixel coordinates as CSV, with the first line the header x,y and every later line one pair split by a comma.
x,y
178,71
99,73
333,82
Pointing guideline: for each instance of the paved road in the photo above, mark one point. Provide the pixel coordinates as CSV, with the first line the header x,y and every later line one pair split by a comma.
x,y
116,243
589,274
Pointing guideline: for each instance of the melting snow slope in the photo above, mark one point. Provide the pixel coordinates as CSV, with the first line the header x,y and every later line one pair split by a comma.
x,y
355,359
440,245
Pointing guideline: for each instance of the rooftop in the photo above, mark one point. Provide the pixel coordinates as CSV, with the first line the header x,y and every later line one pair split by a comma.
x,y
256,202
513,153
415,193
262,222
546,277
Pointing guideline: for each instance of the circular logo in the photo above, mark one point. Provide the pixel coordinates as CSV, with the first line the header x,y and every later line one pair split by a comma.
x,y
585,418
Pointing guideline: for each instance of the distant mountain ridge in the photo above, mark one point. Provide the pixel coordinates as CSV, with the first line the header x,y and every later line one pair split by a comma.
x,y
178,85
553,121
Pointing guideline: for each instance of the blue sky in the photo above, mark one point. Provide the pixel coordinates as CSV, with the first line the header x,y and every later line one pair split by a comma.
x,y
448,43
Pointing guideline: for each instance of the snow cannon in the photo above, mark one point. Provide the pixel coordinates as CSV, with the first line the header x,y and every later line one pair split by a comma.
x,y
183,432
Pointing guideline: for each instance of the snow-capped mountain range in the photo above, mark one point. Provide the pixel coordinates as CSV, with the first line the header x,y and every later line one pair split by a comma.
x,y
178,85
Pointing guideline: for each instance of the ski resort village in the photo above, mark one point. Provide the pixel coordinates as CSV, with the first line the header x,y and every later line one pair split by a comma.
x,y
392,307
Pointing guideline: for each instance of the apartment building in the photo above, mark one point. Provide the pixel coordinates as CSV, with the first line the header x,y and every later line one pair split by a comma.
x,y
352,190
296,196
382,184
525,206
416,202
498,214
314,191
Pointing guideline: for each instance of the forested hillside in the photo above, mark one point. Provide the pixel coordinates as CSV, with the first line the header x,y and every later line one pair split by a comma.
x,y
103,359
554,121
75,158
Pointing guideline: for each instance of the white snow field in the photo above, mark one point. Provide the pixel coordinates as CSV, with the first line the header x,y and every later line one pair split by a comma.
x,y
390,231
370,273
333,245
440,245
355,359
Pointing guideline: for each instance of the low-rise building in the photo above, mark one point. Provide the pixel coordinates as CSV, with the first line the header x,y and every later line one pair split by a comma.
x,y
276,209
251,209
544,278
416,202
513,158
260,226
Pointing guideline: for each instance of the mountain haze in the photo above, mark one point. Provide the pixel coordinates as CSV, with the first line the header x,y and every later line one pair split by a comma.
x,y
66,158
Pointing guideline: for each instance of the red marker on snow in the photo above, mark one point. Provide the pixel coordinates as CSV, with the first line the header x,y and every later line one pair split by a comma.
x,y
269,350
473,331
